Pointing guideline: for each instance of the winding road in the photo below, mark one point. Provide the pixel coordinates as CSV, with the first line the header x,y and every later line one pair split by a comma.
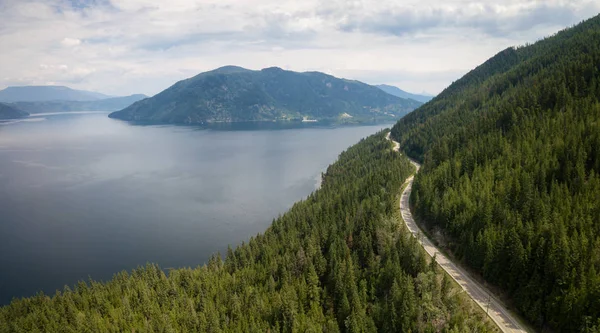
x,y
481,295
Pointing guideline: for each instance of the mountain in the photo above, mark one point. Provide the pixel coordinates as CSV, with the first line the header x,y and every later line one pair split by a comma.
x,y
403,94
511,175
235,94
47,93
11,112
108,104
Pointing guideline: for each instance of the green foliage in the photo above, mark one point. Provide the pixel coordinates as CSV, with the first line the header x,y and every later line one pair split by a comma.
x,y
234,94
335,262
512,174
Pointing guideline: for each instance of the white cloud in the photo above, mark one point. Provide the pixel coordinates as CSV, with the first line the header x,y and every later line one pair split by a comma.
x,y
131,46
69,42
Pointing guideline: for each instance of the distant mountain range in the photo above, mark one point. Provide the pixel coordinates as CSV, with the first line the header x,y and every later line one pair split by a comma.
x,y
108,104
39,99
235,94
11,112
48,93
403,94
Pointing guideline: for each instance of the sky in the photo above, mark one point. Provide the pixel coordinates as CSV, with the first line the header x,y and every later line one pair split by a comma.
x,y
122,47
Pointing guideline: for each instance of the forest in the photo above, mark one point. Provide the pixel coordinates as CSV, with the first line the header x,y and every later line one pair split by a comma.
x,y
339,261
511,175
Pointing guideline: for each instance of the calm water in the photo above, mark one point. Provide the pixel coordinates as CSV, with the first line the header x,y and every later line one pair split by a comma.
x,y
84,195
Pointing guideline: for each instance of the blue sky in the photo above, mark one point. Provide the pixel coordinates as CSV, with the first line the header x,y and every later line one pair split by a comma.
x,y
122,47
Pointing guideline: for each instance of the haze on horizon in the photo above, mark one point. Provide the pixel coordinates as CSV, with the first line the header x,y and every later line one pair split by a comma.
x,y
121,47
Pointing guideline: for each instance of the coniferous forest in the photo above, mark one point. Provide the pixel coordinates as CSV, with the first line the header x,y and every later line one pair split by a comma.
x,y
338,261
511,174
510,185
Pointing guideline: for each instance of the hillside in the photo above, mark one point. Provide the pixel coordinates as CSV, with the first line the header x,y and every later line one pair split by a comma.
x,y
335,262
235,94
11,112
108,104
403,94
47,93
511,174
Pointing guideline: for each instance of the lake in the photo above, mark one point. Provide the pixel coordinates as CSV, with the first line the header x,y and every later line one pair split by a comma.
x,y
82,195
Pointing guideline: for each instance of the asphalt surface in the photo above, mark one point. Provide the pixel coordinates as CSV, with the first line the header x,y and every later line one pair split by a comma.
x,y
481,295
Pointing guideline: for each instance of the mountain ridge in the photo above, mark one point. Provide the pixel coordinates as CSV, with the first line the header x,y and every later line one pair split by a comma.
x,y
511,158
393,90
47,93
11,112
107,104
236,94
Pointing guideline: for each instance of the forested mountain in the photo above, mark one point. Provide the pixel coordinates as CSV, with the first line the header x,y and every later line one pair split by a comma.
x,y
403,94
107,104
511,174
235,94
11,112
47,93
336,262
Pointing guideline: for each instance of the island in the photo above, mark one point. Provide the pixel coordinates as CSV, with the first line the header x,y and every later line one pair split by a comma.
x,y
235,94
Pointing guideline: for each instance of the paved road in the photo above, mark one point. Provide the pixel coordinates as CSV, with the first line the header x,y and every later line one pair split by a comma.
x,y
499,314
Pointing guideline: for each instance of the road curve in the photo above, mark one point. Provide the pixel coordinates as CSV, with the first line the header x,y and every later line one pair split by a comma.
x,y
482,296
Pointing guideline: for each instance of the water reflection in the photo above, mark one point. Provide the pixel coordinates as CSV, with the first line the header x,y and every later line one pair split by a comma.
x,y
84,195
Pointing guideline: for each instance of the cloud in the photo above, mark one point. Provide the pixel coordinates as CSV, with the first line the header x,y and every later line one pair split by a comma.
x,y
143,46
493,19
69,42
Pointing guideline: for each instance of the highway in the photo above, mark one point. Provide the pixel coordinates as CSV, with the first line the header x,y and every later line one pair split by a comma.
x,y
481,295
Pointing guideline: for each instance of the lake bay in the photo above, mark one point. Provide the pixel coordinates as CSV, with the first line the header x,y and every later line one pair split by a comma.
x,y
82,195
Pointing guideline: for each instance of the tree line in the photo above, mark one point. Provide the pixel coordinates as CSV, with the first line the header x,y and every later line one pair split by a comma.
x,y
511,174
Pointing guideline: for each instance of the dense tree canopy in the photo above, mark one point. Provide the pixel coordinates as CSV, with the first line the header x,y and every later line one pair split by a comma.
x,y
336,262
512,174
